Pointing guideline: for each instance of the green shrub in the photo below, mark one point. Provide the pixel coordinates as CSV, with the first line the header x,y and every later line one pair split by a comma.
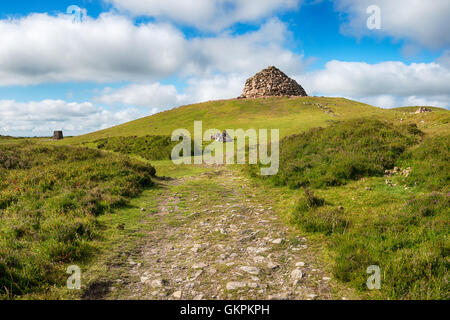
x,y
430,163
343,152
309,201
310,215
325,220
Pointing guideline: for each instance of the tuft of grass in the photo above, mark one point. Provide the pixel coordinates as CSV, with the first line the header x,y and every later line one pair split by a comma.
x,y
311,215
327,221
309,201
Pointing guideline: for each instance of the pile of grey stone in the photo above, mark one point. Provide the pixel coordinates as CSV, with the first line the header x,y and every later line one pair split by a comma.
x,y
222,137
271,82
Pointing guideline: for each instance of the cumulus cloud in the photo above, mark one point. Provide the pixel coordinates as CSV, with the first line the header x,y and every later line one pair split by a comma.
x,y
40,48
210,15
220,66
41,118
444,59
359,79
246,53
419,21
152,95
214,88
391,101
155,95
386,84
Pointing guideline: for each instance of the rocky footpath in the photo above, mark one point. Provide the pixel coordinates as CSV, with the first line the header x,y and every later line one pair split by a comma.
x,y
223,241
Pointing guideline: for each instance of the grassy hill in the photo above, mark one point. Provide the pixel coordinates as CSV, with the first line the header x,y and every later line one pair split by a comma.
x,y
290,115
332,185
361,216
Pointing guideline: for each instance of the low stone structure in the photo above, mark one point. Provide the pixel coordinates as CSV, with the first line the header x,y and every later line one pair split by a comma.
x,y
222,137
271,82
58,135
423,110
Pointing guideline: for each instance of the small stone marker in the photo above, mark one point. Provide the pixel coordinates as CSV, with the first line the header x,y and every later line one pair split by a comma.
x,y
58,135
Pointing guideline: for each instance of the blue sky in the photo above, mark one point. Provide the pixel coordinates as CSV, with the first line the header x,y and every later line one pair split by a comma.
x,y
127,59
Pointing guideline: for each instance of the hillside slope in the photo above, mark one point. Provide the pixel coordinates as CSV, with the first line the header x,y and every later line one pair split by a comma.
x,y
290,115
371,216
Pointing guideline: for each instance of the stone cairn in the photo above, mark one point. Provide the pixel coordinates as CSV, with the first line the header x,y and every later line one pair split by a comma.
x,y
271,82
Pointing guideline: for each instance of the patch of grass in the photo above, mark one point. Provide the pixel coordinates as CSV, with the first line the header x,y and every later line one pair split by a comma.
x,y
403,231
311,215
411,247
342,152
290,115
50,198
310,201
402,227
430,163
147,147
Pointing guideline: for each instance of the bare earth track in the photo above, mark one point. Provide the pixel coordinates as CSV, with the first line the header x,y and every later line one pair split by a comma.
x,y
219,238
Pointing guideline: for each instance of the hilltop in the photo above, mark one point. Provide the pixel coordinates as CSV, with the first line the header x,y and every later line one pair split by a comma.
x,y
270,100
289,114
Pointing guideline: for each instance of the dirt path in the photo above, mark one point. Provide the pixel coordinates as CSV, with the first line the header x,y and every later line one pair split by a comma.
x,y
219,238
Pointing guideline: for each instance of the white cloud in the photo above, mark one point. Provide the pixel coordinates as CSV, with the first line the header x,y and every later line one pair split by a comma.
x,y
220,66
436,101
162,97
363,79
247,53
391,101
42,49
41,118
214,88
152,95
419,21
385,84
210,15
444,59
382,101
